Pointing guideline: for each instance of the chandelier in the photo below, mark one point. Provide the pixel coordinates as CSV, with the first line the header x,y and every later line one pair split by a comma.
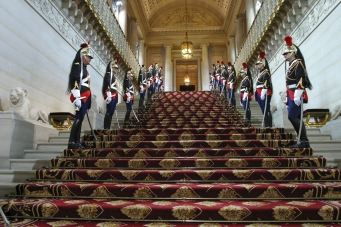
x,y
186,46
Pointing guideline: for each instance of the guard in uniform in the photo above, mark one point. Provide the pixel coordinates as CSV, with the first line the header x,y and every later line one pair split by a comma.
x,y
223,79
213,74
296,81
109,91
264,88
150,82
142,82
128,96
79,87
155,77
246,91
231,84
217,76
159,75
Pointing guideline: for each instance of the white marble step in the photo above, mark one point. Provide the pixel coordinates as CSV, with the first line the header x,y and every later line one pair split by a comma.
x,y
9,175
51,146
42,154
28,164
6,188
325,144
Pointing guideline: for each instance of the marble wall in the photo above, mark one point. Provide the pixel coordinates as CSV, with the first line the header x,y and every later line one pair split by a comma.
x,y
35,56
318,39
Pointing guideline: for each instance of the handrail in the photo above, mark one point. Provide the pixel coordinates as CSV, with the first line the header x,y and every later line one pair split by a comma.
x,y
259,29
7,223
111,27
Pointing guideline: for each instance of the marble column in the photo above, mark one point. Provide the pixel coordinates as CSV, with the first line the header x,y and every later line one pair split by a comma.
x,y
250,13
133,39
240,34
122,16
141,53
232,49
168,67
199,75
205,82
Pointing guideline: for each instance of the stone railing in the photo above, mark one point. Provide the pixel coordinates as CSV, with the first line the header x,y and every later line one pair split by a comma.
x,y
113,32
259,30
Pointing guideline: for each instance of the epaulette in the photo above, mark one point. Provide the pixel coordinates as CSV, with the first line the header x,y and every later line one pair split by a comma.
x,y
77,63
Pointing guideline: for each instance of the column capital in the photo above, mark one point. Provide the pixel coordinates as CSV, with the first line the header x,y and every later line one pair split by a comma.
x,y
133,20
168,45
204,44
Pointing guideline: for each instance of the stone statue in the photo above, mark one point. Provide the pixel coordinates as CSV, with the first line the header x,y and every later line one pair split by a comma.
x,y
281,104
20,104
336,113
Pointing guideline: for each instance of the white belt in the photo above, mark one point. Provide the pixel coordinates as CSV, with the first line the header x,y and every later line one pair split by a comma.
x,y
230,83
260,86
242,89
85,85
113,86
291,86
83,82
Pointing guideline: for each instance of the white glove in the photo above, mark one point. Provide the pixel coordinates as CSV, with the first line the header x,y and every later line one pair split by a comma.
x,y
108,100
245,96
148,84
78,104
128,97
297,96
141,89
224,81
264,92
287,108
241,103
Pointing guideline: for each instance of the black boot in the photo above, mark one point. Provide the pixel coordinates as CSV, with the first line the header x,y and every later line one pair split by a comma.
x,y
107,121
73,135
78,139
248,116
233,102
141,104
303,141
126,119
225,94
269,120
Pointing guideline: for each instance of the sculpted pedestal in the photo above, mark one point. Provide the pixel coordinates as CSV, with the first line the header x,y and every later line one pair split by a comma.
x,y
18,134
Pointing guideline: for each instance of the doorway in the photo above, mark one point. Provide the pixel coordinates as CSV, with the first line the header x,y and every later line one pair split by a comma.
x,y
187,70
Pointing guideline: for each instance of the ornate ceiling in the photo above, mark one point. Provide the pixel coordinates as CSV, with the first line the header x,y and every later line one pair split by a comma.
x,y
170,15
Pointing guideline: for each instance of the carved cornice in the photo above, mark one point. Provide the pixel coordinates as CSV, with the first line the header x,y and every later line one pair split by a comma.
x,y
53,16
311,20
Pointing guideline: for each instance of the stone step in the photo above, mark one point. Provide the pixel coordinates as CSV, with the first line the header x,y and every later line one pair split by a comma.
x,y
326,144
9,175
328,153
51,146
42,154
28,164
309,131
6,188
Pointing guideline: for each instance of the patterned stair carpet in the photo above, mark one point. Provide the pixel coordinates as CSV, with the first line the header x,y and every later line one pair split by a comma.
x,y
190,161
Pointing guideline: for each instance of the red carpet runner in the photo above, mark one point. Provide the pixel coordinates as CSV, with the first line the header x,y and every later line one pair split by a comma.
x,y
189,162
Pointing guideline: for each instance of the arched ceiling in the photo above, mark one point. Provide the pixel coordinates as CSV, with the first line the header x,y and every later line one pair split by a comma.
x,y
170,15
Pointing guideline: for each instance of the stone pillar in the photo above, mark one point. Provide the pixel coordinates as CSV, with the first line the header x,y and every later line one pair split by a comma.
x,y
199,76
250,13
141,53
122,16
133,39
205,67
227,53
240,34
168,67
232,49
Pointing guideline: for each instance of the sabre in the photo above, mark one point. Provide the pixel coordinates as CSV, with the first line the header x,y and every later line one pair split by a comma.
x,y
92,131
4,218
266,101
301,121
134,112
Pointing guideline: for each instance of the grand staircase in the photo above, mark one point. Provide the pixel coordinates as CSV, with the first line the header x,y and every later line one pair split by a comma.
x,y
190,161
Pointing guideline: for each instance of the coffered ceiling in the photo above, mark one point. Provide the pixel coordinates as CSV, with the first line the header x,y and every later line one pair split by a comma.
x,y
164,16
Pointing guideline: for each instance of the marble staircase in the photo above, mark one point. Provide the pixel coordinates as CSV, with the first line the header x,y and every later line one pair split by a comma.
x,y
22,169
